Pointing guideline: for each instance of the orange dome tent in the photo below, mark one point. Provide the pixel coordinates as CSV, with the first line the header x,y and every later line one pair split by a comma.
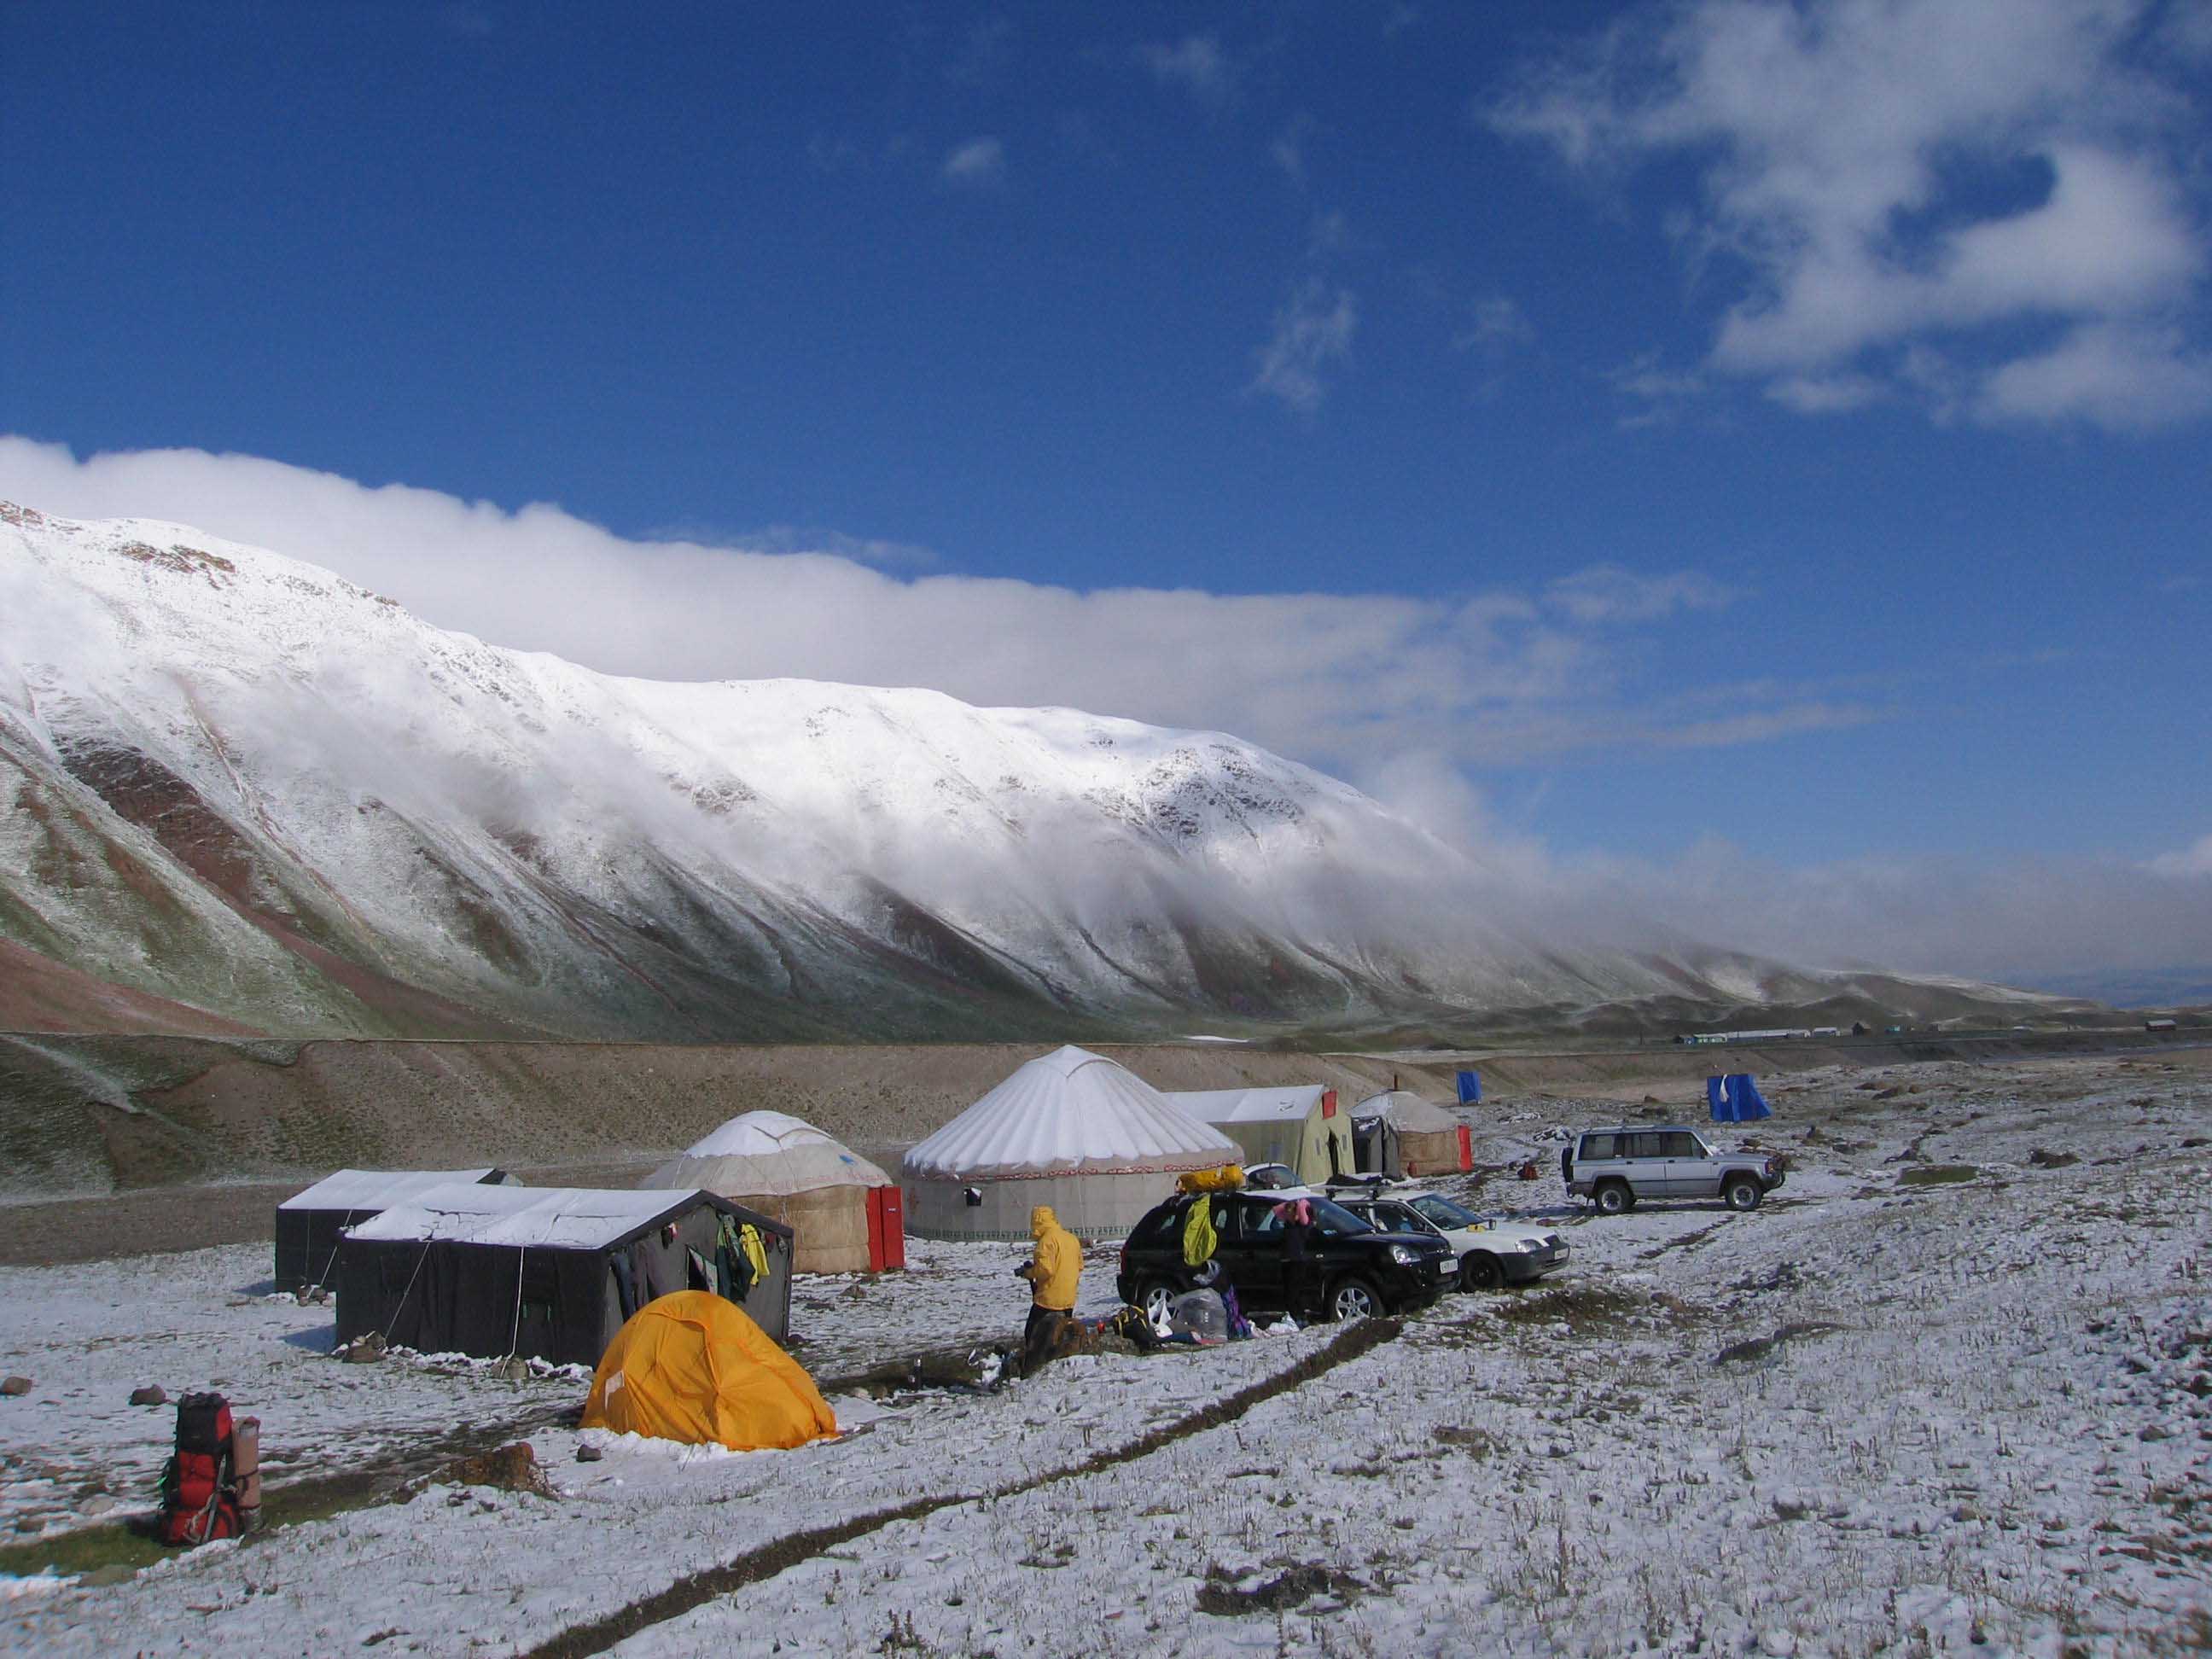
x,y
692,1367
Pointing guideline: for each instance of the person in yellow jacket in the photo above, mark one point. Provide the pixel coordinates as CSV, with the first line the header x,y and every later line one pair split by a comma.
x,y
1052,1272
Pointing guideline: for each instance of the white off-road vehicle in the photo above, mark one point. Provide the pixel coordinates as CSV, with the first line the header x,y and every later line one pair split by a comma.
x,y
1618,1169
1493,1252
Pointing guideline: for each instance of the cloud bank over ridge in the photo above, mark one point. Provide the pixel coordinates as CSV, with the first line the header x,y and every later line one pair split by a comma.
x,y
1338,681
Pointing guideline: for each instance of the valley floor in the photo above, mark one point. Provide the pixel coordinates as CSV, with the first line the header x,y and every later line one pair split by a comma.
x,y
1949,1389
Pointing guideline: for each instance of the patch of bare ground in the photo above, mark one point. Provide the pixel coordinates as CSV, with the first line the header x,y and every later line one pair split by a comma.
x,y
1594,1309
1760,1347
1224,1597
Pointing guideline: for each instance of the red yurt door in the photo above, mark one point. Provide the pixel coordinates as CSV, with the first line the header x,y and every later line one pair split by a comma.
x,y
886,1228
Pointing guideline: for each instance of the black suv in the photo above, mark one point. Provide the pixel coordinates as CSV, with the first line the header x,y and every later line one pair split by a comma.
x,y
1353,1269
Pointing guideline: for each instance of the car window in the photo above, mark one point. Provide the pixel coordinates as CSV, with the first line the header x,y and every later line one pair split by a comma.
x,y
1228,1220
1647,1144
1595,1146
1441,1211
1262,1221
1680,1143
1158,1224
1400,1218
1335,1219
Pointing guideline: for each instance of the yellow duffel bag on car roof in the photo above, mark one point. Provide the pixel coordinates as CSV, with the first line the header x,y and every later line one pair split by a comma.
x,y
1227,1179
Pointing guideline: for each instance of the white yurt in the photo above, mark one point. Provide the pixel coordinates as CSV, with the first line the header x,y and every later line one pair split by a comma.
x,y
798,1175
1070,1130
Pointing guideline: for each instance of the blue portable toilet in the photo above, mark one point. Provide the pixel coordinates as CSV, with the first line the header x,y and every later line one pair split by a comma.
x,y
1736,1098
1470,1088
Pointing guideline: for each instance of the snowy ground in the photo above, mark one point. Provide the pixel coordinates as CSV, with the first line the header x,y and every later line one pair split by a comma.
x,y
1949,1388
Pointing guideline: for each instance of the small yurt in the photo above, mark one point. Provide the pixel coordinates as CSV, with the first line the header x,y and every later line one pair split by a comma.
x,y
1429,1140
844,1212
1072,1130
1298,1126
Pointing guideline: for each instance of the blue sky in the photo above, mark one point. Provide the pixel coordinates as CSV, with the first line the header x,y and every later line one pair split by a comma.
x,y
1716,447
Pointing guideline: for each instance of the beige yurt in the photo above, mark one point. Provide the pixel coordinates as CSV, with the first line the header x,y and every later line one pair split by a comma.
x,y
1071,1130
795,1173
1430,1140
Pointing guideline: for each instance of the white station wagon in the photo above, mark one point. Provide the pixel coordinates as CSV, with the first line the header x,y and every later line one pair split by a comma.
x,y
1493,1252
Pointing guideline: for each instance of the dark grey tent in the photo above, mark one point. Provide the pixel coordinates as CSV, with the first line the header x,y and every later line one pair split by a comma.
x,y
545,1272
308,1223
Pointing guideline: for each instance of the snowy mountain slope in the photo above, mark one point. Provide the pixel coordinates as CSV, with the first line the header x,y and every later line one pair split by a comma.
x,y
238,782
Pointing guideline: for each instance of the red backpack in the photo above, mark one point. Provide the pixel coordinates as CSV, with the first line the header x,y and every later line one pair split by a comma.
x,y
198,1500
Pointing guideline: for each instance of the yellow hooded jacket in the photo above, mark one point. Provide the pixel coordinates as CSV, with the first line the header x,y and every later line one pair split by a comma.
x,y
1052,1273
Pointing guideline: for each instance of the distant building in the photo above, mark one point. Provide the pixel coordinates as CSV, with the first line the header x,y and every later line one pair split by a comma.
x,y
2160,1025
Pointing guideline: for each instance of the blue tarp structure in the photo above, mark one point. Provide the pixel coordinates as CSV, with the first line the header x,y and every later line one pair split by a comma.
x,y
1470,1088
1736,1098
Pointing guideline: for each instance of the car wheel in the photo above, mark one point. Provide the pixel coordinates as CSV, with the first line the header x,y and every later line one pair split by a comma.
x,y
1481,1271
1614,1197
1354,1298
1742,1193
1154,1297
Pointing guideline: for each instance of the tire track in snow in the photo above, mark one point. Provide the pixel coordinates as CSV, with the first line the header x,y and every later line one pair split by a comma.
x,y
694,1589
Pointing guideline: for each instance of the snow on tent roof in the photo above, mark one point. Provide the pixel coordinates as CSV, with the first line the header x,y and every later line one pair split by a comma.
x,y
564,1218
1247,1105
758,1134
1412,1114
1070,1112
767,1153
377,1189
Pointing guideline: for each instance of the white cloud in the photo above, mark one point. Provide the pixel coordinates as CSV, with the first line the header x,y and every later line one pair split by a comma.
x,y
1660,393
979,163
1341,682
2012,921
2194,861
1608,593
1862,159
1328,234
1495,323
1312,335
1196,64
2120,378
1827,394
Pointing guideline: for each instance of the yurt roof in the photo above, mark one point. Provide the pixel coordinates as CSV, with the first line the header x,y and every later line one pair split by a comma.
x,y
761,1154
1412,1114
1069,1112
1249,1105
562,1217
377,1189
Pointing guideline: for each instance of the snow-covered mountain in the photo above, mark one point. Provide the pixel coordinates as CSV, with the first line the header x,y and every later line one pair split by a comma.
x,y
237,786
